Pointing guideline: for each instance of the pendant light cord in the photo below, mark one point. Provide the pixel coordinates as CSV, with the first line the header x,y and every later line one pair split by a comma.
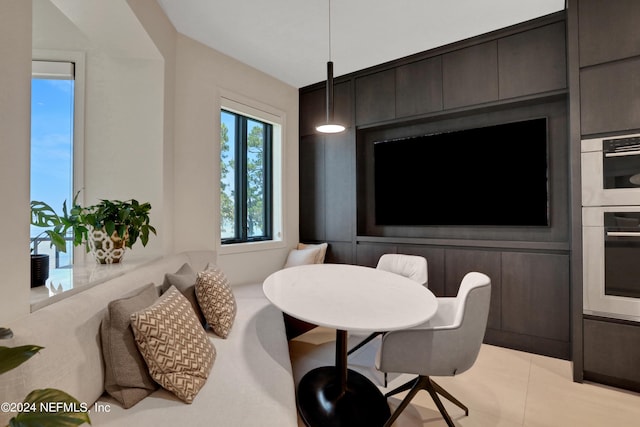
x,y
329,30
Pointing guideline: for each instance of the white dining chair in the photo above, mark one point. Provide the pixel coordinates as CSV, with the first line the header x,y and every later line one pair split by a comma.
x,y
446,345
413,267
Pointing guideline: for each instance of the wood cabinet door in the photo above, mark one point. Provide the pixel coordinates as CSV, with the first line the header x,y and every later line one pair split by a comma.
x,y
612,350
535,295
339,185
368,254
419,87
610,97
312,188
376,97
470,75
312,110
533,61
608,30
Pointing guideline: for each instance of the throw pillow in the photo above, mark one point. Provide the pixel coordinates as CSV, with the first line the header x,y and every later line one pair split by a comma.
x,y
216,300
126,375
302,257
185,281
177,350
323,250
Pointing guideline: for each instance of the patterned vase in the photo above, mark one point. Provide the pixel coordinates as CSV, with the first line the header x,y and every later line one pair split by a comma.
x,y
106,249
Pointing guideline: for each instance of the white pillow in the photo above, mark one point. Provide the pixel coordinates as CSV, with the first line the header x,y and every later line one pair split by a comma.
x,y
321,254
302,257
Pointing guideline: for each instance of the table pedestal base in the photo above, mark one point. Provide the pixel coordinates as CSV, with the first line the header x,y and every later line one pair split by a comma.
x,y
322,403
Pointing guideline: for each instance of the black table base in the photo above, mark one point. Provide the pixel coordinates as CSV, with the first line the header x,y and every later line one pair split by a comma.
x,y
323,401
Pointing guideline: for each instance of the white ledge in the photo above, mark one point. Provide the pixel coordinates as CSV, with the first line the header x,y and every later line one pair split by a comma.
x,y
64,282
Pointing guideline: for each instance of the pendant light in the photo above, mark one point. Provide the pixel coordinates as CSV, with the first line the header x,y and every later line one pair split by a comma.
x,y
330,126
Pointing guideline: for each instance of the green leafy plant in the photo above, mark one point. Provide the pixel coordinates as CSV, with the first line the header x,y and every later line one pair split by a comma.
x,y
127,219
43,215
47,407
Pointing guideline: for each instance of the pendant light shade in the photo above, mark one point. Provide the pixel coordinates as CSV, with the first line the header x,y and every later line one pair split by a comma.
x,y
330,126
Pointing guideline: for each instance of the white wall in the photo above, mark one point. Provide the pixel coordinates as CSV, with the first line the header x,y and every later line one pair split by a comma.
x,y
194,76
124,104
202,75
164,36
15,112
124,136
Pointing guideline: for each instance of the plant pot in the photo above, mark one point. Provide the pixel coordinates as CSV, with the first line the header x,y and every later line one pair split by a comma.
x,y
106,249
39,269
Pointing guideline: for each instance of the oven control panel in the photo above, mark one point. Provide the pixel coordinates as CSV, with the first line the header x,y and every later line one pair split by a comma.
x,y
611,171
621,146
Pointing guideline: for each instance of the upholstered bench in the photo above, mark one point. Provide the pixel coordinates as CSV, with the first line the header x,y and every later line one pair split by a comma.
x,y
250,382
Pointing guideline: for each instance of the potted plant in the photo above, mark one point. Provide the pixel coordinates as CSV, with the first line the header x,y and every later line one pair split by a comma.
x,y
106,228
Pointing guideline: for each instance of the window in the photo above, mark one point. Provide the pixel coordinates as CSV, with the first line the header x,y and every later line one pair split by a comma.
x,y
246,178
52,95
57,88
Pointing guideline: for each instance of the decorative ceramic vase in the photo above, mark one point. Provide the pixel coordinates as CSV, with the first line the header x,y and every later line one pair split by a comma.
x,y
39,269
106,249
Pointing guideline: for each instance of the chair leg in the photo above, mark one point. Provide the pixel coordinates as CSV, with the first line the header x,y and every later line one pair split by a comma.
x,y
441,408
404,387
418,384
363,342
424,383
444,393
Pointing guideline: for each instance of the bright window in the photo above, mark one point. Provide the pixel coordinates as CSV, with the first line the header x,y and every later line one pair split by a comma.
x,y
53,144
246,178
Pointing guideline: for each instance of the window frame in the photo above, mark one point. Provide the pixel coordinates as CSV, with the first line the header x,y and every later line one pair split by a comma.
x,y
241,179
236,103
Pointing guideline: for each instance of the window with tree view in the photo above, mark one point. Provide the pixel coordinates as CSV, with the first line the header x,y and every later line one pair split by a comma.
x,y
245,178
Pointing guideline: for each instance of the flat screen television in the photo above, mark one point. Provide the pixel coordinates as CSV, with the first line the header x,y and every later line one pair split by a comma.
x,y
486,176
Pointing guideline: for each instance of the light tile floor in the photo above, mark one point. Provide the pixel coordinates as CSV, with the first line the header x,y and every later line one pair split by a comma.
x,y
504,388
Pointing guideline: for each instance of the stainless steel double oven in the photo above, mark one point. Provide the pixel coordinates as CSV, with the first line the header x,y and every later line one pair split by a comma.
x,y
611,226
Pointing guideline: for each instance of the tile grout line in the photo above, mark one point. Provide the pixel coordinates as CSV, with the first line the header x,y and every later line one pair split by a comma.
x,y
526,394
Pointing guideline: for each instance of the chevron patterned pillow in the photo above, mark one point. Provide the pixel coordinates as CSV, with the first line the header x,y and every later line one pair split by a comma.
x,y
174,345
216,300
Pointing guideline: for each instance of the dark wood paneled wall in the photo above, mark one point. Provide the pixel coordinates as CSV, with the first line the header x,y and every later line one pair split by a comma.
x,y
515,73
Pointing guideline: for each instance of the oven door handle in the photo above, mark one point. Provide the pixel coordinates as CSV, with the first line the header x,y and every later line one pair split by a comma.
x,y
623,153
623,233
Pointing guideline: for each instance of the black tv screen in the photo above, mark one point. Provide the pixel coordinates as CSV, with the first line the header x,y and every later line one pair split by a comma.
x,y
486,176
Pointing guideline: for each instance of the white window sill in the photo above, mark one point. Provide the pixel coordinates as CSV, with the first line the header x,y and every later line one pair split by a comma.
x,y
236,248
64,282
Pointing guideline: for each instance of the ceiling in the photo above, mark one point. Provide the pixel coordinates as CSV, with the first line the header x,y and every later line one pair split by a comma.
x,y
289,39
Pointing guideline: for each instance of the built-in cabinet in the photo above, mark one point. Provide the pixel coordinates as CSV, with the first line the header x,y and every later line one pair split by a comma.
x,y
525,286
604,65
511,74
611,352
609,60
514,65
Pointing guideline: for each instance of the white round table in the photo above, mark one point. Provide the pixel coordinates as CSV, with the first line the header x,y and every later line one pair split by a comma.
x,y
346,298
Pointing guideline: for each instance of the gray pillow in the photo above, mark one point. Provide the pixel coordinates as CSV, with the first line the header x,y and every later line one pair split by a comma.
x,y
185,281
127,377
